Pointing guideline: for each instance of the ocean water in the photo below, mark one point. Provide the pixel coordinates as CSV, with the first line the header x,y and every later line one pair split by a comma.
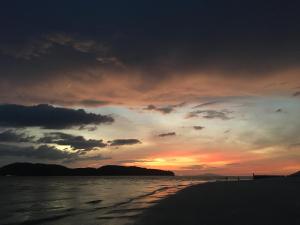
x,y
83,200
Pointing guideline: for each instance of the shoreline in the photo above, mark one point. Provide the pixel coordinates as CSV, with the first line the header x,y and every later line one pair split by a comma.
x,y
247,202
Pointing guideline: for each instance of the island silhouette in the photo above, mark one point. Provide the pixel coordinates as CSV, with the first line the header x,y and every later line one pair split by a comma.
x,y
39,169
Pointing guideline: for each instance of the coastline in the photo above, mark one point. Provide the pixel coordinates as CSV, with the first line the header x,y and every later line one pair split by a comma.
x,y
264,202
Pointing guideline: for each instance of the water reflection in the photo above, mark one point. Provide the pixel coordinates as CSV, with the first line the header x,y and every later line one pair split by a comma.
x,y
82,200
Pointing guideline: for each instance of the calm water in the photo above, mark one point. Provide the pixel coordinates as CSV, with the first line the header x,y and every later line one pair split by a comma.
x,y
82,200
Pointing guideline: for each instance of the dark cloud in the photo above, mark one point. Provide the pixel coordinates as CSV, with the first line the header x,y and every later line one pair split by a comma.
x,y
193,34
41,45
119,142
13,136
48,117
88,128
167,134
210,114
42,152
45,152
198,127
76,142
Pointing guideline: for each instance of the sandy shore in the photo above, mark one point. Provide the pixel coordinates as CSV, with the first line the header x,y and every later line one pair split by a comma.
x,y
263,202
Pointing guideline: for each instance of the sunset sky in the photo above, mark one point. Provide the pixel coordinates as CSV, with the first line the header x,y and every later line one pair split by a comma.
x,y
207,86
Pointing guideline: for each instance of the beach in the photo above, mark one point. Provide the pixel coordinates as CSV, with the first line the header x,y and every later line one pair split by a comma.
x,y
252,202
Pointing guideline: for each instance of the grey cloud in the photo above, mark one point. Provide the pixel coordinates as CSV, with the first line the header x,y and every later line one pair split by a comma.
x,y
81,45
167,134
28,50
119,142
45,152
38,46
48,117
111,61
76,142
88,128
210,114
198,127
164,109
42,152
13,136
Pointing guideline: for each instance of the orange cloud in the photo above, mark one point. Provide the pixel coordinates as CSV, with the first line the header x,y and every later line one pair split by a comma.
x,y
131,88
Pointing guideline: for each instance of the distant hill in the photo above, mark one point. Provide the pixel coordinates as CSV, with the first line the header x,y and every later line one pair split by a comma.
x,y
38,169
297,174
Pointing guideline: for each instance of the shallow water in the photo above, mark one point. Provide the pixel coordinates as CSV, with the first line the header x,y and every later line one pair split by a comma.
x,y
82,200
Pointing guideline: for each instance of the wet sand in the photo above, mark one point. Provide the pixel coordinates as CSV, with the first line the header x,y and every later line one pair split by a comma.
x,y
253,202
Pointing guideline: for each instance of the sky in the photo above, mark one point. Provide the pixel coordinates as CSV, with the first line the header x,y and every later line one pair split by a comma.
x,y
194,87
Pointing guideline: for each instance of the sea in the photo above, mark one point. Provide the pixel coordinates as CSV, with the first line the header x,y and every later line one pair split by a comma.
x,y
83,200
